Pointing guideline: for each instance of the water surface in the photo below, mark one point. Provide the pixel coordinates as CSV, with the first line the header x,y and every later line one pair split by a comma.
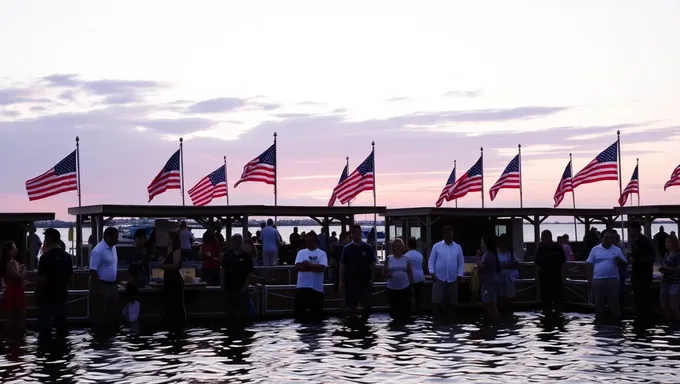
x,y
524,349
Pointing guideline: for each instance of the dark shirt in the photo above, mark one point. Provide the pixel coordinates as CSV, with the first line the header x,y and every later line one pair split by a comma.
x,y
139,265
236,268
643,260
56,266
294,240
357,260
660,242
336,252
220,239
550,259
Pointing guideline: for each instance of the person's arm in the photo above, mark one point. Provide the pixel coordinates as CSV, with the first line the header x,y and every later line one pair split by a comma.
x,y
385,270
621,259
95,259
321,266
374,260
514,263
409,272
249,276
461,262
223,272
590,266
431,262
300,263
341,270
482,263
176,261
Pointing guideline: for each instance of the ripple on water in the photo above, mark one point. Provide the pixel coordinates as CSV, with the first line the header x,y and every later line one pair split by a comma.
x,y
526,348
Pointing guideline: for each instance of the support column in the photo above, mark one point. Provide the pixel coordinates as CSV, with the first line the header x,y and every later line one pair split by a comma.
x,y
244,226
428,236
537,229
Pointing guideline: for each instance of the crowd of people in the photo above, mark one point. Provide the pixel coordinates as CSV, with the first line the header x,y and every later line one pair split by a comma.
x,y
348,262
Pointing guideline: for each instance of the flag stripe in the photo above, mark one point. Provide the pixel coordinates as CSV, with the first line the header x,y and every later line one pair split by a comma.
x,y
168,178
210,187
675,178
564,186
360,180
471,181
510,178
603,167
61,178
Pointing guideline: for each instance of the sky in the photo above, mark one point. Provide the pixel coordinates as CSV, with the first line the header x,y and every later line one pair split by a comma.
x,y
430,82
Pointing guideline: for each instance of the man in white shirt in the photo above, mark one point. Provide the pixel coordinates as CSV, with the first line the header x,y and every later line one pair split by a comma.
x,y
271,240
103,285
311,264
602,269
447,266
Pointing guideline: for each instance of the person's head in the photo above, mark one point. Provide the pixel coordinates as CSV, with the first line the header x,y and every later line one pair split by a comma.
x,y
661,229
52,238
489,244
270,222
398,246
217,227
672,243
140,238
182,225
311,240
673,233
295,229
504,243
412,243
565,238
357,233
447,234
560,240
334,234
209,237
607,238
249,246
593,230
173,240
31,230
262,225
636,228
546,237
111,236
236,242
344,238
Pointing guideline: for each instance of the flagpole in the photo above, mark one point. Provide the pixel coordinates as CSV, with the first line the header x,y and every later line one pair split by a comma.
x,y
637,166
276,169
454,168
349,204
375,200
79,218
481,149
519,153
181,165
226,179
618,151
573,195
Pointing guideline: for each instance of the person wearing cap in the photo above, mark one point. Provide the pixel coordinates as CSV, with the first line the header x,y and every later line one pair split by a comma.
x,y
103,285
237,268
55,269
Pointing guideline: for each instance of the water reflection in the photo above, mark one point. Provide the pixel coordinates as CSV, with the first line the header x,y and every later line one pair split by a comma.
x,y
525,348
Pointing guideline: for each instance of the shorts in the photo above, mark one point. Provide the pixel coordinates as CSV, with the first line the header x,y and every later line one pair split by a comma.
x,y
489,293
667,290
444,292
270,258
355,296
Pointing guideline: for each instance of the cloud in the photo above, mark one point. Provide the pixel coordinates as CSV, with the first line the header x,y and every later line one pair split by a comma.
x,y
11,96
112,91
459,94
310,103
218,105
340,110
398,99
10,113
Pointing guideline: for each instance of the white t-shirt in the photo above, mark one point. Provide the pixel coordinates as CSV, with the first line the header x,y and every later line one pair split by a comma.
x,y
131,312
309,279
104,260
604,263
416,259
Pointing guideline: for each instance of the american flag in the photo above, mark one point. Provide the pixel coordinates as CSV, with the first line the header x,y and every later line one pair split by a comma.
x,y
261,169
210,187
564,186
343,176
603,167
167,178
447,188
471,181
510,178
360,180
632,187
674,180
62,178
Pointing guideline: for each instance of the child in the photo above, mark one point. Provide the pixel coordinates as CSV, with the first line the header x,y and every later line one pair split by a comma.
x,y
131,310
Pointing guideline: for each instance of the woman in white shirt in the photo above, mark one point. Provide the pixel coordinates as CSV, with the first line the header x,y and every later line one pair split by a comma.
x,y
416,260
397,270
